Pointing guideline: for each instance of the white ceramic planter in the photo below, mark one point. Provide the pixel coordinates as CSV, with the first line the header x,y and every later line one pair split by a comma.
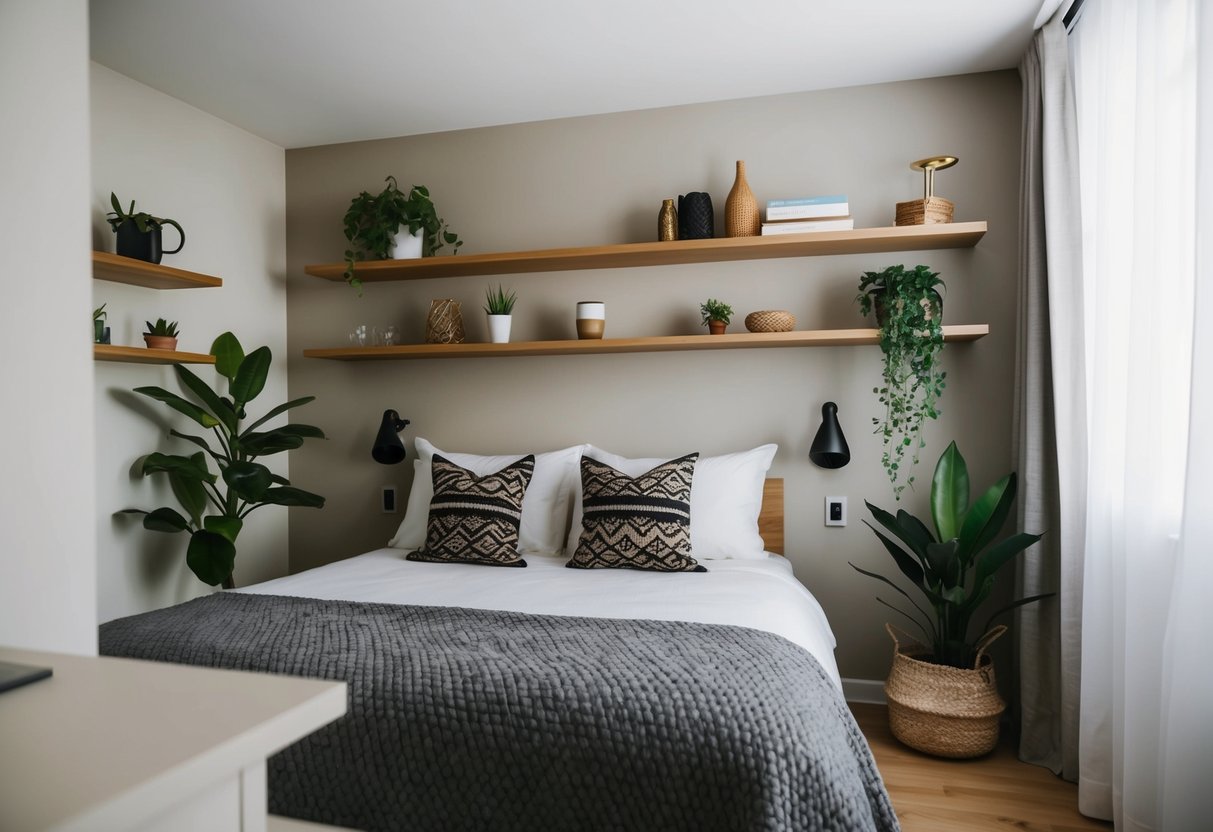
x,y
406,246
499,328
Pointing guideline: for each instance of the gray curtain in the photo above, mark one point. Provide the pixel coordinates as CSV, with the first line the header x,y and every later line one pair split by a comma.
x,y
1050,413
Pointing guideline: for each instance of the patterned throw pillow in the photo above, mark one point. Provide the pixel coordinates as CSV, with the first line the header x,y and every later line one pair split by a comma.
x,y
475,519
639,522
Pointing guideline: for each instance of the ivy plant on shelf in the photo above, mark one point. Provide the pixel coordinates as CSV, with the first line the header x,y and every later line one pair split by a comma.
x,y
374,221
909,315
217,503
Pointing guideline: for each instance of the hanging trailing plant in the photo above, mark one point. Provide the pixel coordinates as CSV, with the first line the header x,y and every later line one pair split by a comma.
x,y
909,313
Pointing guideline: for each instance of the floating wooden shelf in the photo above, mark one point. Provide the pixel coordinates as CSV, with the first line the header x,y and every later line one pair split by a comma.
x,y
858,241
661,343
142,355
118,269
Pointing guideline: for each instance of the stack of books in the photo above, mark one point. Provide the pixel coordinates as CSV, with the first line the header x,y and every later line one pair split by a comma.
x,y
799,216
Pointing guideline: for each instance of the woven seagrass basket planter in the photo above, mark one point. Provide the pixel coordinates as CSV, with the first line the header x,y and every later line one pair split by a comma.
x,y
770,320
940,710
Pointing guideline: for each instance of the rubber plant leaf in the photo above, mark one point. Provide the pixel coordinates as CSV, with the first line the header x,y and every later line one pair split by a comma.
x,y
950,493
210,556
228,355
180,405
250,378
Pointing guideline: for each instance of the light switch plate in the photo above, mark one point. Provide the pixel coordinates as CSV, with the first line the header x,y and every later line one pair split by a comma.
x,y
388,503
836,511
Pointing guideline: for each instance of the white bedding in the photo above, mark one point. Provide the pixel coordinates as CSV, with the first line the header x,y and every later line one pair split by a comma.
x,y
760,594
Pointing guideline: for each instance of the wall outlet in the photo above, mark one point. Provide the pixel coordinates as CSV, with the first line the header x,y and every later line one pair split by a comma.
x,y
388,503
836,511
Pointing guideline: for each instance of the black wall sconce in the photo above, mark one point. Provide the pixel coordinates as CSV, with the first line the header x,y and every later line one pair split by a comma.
x,y
829,448
388,449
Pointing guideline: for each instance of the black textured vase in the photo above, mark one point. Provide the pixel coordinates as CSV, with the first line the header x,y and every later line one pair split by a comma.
x,y
695,216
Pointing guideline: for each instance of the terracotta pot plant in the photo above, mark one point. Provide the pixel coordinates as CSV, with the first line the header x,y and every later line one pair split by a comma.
x,y
716,315
161,335
393,224
942,694
909,314
217,503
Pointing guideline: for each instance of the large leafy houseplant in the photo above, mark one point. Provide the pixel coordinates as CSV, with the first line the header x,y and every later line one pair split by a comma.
x,y
373,220
909,314
216,503
956,567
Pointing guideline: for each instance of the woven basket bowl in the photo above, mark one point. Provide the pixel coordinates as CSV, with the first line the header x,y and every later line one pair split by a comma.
x,y
940,710
770,320
924,211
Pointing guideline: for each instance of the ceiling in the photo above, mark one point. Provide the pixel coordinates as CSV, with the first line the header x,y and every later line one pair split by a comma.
x,y
309,72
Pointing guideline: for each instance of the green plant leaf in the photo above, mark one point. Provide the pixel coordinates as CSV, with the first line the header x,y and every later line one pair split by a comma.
x,y
929,638
227,527
190,467
1021,602
909,567
210,556
950,493
200,442
282,408
890,522
986,517
271,442
885,580
250,378
944,563
988,563
287,495
248,479
179,404
916,529
207,396
190,492
229,355
161,520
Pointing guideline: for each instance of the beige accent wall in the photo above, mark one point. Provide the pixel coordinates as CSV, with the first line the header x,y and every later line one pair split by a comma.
x,y
47,569
601,179
227,189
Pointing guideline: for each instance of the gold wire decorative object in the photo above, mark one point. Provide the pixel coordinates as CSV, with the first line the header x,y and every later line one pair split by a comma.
x,y
770,320
667,222
930,209
444,325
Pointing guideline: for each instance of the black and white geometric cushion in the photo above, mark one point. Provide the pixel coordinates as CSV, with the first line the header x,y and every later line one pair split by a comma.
x,y
639,522
475,519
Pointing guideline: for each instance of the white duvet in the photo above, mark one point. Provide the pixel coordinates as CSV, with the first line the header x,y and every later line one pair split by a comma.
x,y
760,594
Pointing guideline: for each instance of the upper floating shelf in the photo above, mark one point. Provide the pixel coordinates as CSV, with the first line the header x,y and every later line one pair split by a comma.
x,y
118,269
142,355
858,241
660,343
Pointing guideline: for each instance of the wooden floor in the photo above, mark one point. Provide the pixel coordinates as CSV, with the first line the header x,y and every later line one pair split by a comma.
x,y
997,792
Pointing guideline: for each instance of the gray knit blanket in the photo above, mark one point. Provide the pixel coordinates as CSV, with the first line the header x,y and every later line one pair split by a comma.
x,y
463,719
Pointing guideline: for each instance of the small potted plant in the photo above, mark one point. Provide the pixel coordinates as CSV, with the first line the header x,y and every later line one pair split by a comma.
x,y
396,225
139,234
101,332
499,307
942,696
716,315
909,314
161,335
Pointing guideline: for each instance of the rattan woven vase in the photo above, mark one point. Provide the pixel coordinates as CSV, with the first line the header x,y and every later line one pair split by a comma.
x,y
445,322
940,710
741,217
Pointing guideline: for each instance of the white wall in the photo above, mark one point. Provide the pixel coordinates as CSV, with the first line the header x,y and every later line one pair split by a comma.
x,y
47,566
601,179
227,189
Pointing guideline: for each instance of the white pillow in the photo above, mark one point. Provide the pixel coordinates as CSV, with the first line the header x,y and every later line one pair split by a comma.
x,y
726,499
545,508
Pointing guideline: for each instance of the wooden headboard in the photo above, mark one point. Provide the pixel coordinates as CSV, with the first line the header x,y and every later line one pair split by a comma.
x,y
770,519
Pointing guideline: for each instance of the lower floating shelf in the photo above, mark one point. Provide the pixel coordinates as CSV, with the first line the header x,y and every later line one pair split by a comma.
x,y
142,355
662,343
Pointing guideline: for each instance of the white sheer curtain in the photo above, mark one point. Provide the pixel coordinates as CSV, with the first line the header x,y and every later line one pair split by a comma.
x,y
1146,728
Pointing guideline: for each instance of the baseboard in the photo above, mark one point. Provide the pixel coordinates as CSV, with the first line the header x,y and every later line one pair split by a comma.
x,y
870,691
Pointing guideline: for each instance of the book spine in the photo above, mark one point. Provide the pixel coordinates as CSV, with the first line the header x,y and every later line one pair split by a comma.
x,y
809,200
805,212
772,229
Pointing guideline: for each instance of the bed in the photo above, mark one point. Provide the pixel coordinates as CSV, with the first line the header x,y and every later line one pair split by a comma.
x,y
547,697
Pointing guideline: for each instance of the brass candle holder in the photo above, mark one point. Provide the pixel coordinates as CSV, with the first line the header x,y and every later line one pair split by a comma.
x,y
930,209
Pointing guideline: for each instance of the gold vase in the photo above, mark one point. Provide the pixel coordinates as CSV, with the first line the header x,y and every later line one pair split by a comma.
x,y
445,322
667,221
741,209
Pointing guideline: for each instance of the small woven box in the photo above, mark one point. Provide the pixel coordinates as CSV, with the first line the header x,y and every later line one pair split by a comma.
x,y
770,320
927,211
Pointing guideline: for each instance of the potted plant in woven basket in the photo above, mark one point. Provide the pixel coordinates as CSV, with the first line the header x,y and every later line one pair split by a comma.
x,y
942,694
909,313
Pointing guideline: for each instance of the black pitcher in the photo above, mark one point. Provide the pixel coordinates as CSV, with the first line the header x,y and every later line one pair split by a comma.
x,y
695,216
145,245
